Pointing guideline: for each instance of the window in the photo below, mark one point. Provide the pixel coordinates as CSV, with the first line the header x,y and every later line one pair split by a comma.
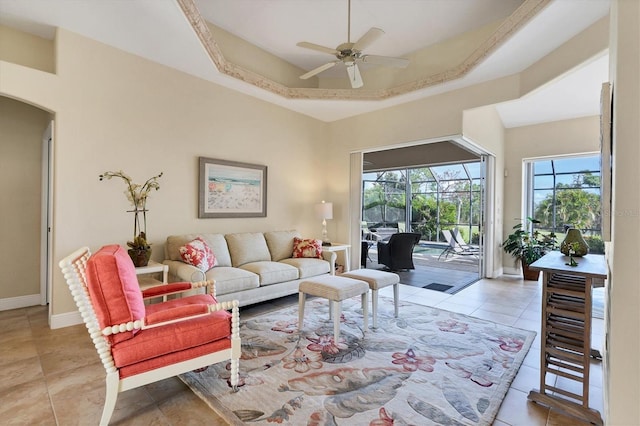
x,y
565,191
429,199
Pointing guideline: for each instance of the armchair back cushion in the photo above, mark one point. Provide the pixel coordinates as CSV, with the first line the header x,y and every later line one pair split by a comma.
x,y
280,244
247,247
114,290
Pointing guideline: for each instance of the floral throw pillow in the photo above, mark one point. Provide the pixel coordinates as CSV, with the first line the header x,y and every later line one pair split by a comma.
x,y
307,248
198,254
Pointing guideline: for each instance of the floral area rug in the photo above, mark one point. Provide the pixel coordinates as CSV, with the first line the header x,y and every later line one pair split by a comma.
x,y
428,366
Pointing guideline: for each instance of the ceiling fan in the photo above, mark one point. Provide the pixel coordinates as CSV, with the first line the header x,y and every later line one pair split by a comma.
x,y
351,53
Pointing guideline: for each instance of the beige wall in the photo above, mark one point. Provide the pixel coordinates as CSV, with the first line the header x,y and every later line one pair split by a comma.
x,y
21,129
576,136
623,317
484,127
26,49
116,111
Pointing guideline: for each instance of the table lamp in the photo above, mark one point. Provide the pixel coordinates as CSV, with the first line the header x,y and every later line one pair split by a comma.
x,y
324,211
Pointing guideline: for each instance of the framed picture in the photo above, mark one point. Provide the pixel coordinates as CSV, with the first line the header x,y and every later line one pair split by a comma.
x,y
232,189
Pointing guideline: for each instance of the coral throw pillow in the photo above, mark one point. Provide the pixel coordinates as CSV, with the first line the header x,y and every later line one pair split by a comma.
x,y
198,254
307,248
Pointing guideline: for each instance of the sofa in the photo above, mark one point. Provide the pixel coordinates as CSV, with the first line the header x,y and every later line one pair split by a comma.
x,y
250,267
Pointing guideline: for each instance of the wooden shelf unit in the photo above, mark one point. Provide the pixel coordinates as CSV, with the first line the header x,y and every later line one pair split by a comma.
x,y
566,331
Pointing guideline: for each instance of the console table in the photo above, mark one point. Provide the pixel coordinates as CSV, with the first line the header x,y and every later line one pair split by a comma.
x,y
566,330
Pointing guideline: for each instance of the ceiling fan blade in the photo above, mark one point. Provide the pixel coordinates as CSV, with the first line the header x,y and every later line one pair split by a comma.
x,y
318,70
354,76
317,47
369,37
385,60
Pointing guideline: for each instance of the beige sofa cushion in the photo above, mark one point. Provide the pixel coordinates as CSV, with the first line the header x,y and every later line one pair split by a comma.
x,y
308,267
271,272
231,280
280,243
247,247
216,242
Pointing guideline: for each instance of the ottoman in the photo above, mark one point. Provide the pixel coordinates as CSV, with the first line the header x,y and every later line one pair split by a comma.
x,y
377,280
335,289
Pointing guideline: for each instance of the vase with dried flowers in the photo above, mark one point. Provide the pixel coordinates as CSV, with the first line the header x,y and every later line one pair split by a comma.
x,y
139,248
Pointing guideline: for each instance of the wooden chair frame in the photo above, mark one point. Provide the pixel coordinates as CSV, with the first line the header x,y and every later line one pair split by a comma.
x,y
74,270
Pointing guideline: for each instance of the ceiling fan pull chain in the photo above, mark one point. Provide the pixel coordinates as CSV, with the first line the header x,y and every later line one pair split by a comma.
x,y
349,23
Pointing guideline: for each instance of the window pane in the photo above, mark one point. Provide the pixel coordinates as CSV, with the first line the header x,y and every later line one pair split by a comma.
x,y
542,167
543,182
473,169
574,201
577,164
452,171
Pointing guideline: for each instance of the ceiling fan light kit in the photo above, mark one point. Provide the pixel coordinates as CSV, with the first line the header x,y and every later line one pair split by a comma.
x,y
351,53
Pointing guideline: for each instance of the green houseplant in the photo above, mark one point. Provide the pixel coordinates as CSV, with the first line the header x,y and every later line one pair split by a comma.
x,y
527,246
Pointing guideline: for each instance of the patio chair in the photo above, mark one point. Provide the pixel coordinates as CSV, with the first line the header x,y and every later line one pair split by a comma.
x,y
458,237
397,253
454,248
140,344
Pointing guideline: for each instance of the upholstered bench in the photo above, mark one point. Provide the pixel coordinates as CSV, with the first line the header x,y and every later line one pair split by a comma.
x,y
377,280
335,289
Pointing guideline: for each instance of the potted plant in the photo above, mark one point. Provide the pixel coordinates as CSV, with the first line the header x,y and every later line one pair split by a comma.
x,y
527,246
139,248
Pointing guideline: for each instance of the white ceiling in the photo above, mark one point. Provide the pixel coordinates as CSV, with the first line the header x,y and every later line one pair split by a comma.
x,y
159,31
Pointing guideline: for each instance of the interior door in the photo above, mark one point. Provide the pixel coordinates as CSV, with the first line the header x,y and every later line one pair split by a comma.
x,y
46,213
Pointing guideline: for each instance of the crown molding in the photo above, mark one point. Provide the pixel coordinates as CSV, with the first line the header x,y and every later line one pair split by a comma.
x,y
509,26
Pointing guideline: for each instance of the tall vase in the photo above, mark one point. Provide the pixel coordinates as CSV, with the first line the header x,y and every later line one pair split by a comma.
x,y
574,236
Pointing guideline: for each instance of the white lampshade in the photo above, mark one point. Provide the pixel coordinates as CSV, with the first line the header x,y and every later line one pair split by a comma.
x,y
324,210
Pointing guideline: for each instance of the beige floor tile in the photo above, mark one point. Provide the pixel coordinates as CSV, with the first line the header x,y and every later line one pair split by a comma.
x,y
495,317
456,307
26,404
19,372
17,344
502,308
517,410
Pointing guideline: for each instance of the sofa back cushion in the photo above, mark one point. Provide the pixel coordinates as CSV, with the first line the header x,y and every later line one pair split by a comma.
x,y
114,289
280,243
216,242
247,247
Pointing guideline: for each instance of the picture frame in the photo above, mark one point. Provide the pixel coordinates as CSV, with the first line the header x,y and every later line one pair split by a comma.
x,y
230,189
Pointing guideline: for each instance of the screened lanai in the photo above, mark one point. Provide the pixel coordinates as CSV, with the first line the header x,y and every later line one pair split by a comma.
x,y
427,200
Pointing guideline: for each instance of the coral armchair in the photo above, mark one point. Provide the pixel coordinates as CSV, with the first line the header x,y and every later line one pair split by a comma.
x,y
140,344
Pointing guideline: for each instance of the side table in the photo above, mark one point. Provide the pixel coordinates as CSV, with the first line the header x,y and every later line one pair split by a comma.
x,y
339,247
145,280
566,330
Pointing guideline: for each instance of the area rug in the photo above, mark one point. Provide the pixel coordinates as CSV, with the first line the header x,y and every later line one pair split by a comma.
x,y
429,366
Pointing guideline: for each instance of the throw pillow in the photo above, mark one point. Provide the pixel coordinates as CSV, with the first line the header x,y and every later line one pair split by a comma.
x,y
307,248
198,254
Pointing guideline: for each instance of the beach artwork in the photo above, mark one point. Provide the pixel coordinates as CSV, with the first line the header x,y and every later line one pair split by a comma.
x,y
230,189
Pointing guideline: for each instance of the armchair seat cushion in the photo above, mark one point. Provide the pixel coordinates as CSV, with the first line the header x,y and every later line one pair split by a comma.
x,y
272,272
154,345
308,267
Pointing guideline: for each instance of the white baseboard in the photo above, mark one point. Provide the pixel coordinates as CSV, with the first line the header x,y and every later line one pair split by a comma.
x,y
19,302
496,273
511,271
66,320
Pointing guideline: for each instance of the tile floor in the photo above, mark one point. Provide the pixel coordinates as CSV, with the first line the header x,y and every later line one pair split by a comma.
x,y
50,377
